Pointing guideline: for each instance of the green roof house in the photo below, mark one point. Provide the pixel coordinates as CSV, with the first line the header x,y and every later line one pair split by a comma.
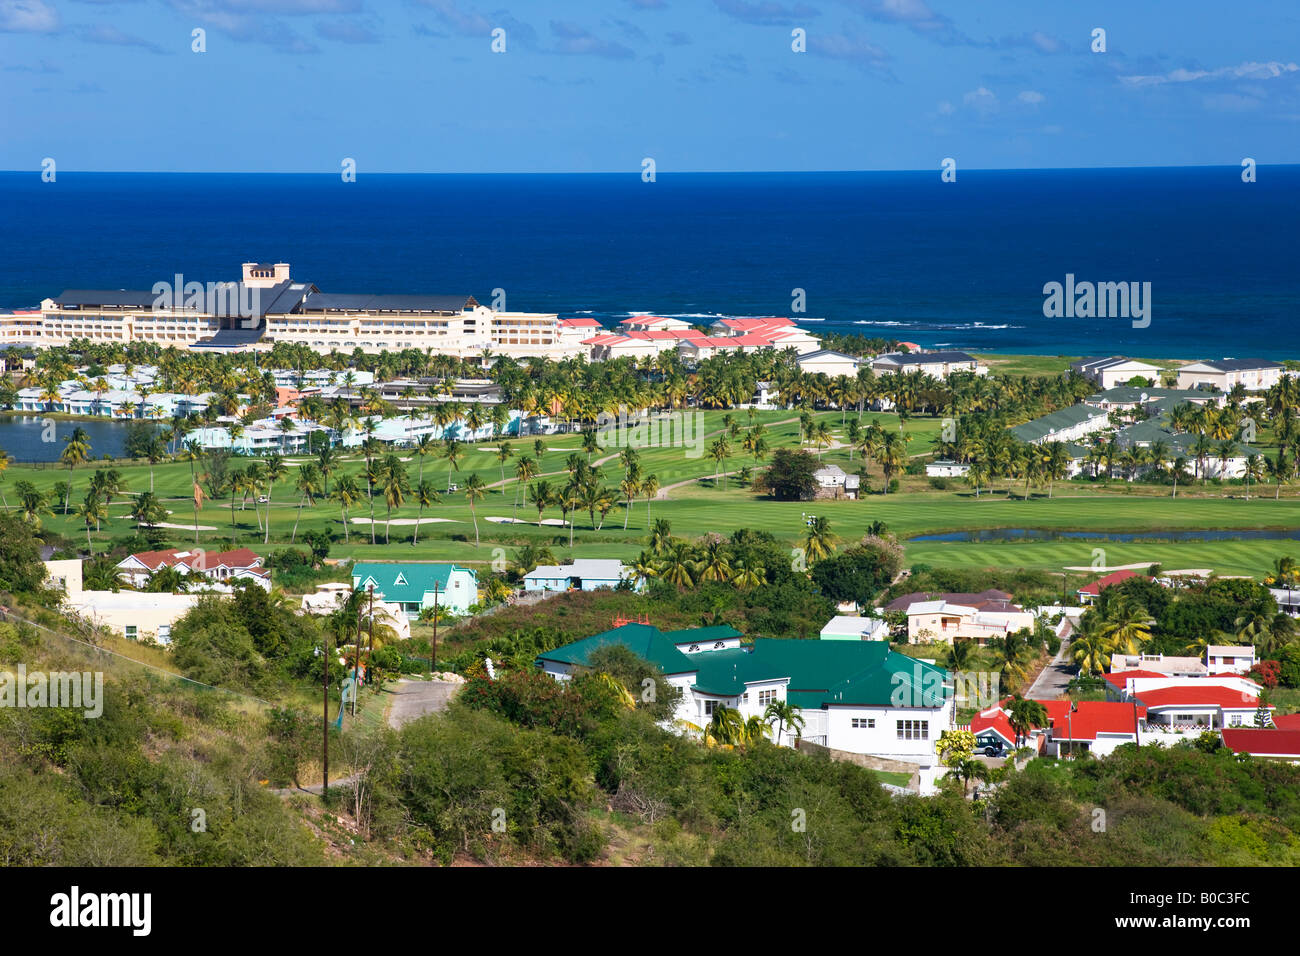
x,y
858,696
416,586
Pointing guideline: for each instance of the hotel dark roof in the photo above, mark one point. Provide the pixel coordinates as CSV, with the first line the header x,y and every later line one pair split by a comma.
x,y
323,301
1239,365
128,298
278,299
924,358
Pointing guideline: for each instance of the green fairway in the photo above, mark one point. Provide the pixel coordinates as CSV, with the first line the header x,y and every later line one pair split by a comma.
x,y
696,505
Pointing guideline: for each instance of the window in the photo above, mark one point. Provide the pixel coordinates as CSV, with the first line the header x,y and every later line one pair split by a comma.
x,y
863,723
766,697
131,631
1235,720
913,730
709,706
744,698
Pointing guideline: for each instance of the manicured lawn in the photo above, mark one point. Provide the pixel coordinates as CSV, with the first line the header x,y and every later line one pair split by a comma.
x,y
698,507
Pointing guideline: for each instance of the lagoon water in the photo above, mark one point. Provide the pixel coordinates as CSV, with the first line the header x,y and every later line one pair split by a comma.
x,y
37,439
891,254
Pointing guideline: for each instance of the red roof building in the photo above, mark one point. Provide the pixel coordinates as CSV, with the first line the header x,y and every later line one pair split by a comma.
x,y
1283,744
1090,592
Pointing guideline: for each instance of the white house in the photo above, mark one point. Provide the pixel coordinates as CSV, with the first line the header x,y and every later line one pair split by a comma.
x,y
415,586
329,597
216,566
1115,370
938,364
853,695
582,574
949,617
944,468
1254,375
829,363
1229,659
844,627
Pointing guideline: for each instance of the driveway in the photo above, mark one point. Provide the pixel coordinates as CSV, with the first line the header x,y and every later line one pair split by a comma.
x,y
1050,683
415,698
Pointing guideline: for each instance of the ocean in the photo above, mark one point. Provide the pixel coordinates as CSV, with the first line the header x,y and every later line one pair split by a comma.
x,y
901,255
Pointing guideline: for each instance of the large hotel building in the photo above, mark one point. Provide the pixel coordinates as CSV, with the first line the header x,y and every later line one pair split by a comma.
x,y
268,306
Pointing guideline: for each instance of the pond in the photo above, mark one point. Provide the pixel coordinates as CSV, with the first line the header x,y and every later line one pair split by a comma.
x,y
36,438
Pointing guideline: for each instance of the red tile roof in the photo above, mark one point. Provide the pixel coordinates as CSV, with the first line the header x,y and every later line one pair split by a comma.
x,y
1115,577
1211,695
1287,722
1092,718
1256,740
1120,678
580,323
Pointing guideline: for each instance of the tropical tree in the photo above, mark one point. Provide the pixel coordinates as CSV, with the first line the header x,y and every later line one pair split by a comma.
x,y
819,541
395,485
348,494
426,496
1024,715
273,469
92,510
308,485
475,489
784,715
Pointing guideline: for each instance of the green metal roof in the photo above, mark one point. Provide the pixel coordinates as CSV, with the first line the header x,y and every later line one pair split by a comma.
x,y
817,673
1044,426
407,582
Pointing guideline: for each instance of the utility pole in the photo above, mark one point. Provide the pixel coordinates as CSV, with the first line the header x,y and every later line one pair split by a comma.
x,y
370,648
433,653
325,694
356,663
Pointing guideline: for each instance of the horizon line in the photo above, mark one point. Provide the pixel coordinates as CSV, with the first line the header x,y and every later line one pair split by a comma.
x,y
636,171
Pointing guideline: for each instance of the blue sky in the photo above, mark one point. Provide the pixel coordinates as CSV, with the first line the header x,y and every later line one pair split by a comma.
x,y
413,85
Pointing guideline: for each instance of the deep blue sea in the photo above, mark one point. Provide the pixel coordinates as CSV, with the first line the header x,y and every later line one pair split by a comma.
x,y
903,255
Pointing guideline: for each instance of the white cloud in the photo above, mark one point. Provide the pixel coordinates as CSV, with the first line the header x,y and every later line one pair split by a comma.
x,y
1032,97
27,16
1250,70
982,100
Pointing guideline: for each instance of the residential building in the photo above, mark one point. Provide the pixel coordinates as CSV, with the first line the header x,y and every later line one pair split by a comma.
x,y
1115,370
217,566
1065,425
844,627
582,574
938,364
416,586
1253,375
1158,664
331,596
834,482
829,363
1096,727
856,696
1089,593
1124,398
1269,744
1229,659
138,615
1201,704
957,617
944,468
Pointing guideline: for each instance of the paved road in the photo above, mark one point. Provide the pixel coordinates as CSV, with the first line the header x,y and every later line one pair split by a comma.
x,y
415,698
1050,684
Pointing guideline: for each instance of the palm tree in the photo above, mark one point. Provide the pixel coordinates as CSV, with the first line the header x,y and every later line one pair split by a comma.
x,y
1024,715
395,485
819,542
526,469
678,566
541,496
308,486
746,574
426,496
649,488
661,536
148,510
453,451
504,453
784,715
32,503
327,461
474,492
1127,626
727,727
273,469
714,564
1089,648
94,510
348,493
